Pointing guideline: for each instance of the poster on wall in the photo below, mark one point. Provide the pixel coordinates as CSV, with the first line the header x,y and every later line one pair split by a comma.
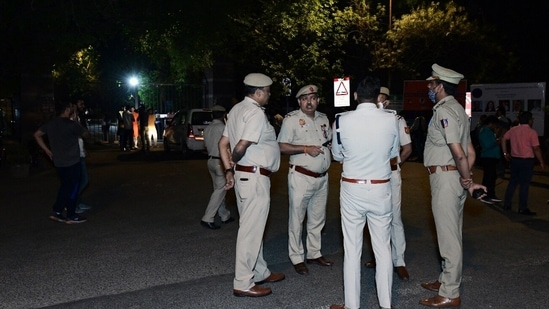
x,y
486,98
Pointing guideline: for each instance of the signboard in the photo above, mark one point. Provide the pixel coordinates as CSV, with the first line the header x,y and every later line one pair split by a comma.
x,y
486,98
342,96
415,96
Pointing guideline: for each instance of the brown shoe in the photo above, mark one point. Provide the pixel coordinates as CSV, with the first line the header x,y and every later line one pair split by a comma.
x,y
320,261
255,291
402,272
431,286
301,268
273,277
370,264
441,302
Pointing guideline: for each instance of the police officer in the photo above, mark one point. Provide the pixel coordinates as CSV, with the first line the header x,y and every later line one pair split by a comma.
x,y
365,140
449,156
212,135
250,154
398,241
302,135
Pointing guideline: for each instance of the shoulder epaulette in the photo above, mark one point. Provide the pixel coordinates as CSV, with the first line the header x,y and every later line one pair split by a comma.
x,y
292,113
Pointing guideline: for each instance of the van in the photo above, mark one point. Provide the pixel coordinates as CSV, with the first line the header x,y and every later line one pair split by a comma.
x,y
185,132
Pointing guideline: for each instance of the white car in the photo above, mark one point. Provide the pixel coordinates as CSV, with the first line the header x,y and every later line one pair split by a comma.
x,y
185,132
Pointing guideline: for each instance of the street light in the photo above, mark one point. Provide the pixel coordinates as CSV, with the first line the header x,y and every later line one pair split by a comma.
x,y
134,82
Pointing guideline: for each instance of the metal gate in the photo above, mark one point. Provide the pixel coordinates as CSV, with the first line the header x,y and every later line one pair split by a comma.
x,y
169,98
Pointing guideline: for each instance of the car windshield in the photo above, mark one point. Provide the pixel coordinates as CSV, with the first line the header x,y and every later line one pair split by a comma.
x,y
199,118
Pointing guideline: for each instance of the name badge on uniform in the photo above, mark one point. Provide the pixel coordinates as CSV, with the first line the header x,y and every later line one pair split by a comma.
x,y
444,123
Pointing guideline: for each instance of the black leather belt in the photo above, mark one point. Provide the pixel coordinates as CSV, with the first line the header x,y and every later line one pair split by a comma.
x,y
253,169
305,171
214,157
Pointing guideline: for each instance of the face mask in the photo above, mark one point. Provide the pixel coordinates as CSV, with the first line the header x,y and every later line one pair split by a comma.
x,y
432,95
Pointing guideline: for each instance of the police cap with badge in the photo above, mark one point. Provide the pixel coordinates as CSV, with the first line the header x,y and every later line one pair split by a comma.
x,y
306,90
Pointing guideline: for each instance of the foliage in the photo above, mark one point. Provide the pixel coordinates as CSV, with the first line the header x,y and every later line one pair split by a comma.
x,y
301,40
80,71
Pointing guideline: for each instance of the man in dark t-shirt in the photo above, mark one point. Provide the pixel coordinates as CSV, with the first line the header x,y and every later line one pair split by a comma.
x,y
63,149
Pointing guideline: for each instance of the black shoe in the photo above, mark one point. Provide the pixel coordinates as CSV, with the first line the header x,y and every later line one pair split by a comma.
x,y
526,212
209,225
57,216
486,200
76,219
231,219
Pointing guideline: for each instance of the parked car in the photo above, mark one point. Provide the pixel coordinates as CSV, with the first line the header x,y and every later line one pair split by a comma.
x,y
185,132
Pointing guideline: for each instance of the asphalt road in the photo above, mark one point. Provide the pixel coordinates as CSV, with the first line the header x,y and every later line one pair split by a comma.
x,y
143,246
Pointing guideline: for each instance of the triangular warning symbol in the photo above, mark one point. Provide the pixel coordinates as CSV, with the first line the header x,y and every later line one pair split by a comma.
x,y
341,90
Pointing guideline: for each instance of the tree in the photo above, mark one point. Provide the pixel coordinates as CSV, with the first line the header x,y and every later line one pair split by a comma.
x,y
304,41
442,34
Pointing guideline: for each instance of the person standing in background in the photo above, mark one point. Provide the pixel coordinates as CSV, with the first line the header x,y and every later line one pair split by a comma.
x,y
143,117
490,156
151,132
135,128
212,135
63,150
524,148
398,240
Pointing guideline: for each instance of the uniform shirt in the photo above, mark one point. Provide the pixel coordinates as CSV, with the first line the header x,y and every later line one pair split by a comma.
x,y
523,139
212,135
299,129
369,139
449,125
490,148
403,131
63,136
247,121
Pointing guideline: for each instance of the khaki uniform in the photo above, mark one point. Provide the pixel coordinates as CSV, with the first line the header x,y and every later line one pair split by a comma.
x,y
307,194
449,125
212,134
247,121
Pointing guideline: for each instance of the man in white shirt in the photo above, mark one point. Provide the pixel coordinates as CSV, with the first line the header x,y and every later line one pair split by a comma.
x,y
365,140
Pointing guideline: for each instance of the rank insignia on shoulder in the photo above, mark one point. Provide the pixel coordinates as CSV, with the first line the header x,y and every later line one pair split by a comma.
x,y
444,122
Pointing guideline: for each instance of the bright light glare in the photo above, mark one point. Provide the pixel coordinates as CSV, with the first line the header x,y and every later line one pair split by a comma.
x,y
134,81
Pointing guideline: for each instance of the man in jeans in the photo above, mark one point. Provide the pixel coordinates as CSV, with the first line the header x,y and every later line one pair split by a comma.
x,y
63,134
524,146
